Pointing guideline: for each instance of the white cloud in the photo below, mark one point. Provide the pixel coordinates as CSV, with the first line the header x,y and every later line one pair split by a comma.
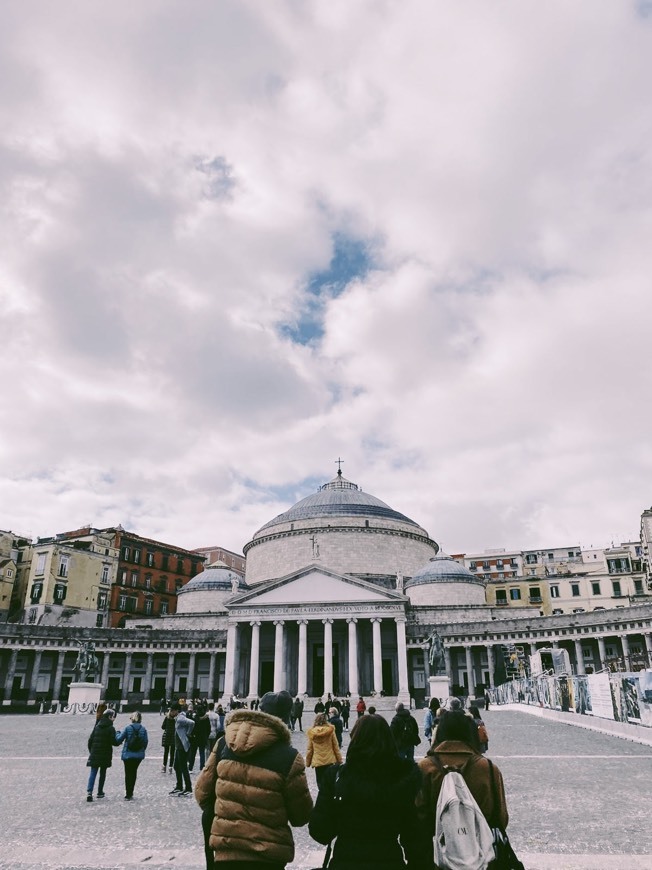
x,y
173,176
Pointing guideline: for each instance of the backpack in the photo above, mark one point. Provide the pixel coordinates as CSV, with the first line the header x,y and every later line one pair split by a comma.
x,y
463,838
135,743
483,737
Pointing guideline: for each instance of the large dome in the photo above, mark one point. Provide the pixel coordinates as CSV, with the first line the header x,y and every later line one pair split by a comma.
x,y
207,591
338,498
342,528
443,580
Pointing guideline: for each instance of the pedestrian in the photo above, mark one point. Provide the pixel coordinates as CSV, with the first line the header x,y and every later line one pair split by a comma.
x,y
360,707
323,749
320,707
214,722
183,727
482,735
371,711
297,713
405,731
487,698
253,789
346,712
368,805
163,707
336,721
455,749
199,737
431,718
135,742
100,748
167,741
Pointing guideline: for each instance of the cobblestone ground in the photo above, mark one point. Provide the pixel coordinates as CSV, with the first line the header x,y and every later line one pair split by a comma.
x,y
578,800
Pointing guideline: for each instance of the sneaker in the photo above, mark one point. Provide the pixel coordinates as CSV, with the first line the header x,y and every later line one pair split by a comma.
x,y
128,797
89,798
176,791
185,792
164,768
100,794
170,770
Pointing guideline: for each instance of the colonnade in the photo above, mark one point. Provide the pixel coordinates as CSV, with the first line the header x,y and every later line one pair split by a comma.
x,y
294,639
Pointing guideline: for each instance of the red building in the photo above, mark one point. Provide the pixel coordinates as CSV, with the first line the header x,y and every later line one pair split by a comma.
x,y
234,561
149,575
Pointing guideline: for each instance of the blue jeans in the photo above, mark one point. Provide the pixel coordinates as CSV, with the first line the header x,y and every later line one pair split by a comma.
x,y
91,780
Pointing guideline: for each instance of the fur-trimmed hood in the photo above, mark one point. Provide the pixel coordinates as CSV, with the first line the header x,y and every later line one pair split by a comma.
x,y
249,731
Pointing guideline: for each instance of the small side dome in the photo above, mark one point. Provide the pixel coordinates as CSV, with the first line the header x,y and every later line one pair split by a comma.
x,y
207,592
442,568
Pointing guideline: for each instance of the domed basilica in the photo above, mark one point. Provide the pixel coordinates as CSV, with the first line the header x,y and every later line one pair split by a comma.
x,y
342,594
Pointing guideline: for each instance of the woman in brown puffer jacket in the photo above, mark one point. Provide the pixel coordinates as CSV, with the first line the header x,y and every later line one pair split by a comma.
x,y
323,749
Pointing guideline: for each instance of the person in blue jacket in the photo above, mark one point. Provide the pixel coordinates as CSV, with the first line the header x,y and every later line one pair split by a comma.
x,y
135,741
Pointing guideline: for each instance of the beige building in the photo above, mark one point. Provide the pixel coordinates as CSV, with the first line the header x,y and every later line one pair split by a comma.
x,y
70,580
15,553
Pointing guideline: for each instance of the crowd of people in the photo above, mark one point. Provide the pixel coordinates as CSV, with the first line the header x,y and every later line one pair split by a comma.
x,y
375,806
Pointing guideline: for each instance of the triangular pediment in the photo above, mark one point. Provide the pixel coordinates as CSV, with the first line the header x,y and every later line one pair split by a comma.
x,y
314,585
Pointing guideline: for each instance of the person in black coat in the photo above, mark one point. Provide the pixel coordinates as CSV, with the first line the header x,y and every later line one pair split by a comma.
x,y
100,748
336,721
368,805
199,738
405,731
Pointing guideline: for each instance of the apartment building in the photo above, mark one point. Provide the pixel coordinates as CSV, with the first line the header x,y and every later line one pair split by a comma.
x,y
234,561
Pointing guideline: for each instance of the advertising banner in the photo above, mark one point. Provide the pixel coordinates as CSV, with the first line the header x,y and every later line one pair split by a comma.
x,y
601,699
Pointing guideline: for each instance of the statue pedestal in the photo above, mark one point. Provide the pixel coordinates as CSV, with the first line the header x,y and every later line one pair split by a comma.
x,y
439,687
83,698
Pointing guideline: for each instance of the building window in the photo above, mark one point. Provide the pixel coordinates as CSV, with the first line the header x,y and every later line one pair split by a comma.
x,y
638,587
10,572
136,554
149,559
618,566
500,565
178,583
105,573
575,590
515,594
531,559
513,563
554,591
148,581
179,565
101,601
473,566
32,614
131,604
134,578
99,620
37,591
40,563
164,563
578,610
148,606
595,587
59,593
122,602
126,553
163,608
501,596
123,576
551,556
616,587
535,593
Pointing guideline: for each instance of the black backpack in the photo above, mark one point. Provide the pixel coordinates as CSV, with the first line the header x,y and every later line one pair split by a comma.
x,y
136,743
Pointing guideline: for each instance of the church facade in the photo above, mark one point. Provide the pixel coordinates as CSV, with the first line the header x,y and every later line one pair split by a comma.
x,y
342,594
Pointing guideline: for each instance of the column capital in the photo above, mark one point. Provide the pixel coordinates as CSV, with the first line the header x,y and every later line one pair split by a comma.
x,y
352,619
376,619
255,622
328,619
303,621
279,622
400,619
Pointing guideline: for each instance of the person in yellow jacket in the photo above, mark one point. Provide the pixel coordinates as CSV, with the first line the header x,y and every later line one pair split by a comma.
x,y
323,749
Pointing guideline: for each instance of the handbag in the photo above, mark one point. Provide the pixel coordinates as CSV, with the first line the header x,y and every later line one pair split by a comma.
x,y
505,856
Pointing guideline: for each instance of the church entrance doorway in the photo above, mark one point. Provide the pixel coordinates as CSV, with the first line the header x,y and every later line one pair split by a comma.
x,y
266,677
318,687
388,677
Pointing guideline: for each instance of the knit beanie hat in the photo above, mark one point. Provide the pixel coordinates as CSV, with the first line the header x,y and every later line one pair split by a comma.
x,y
277,704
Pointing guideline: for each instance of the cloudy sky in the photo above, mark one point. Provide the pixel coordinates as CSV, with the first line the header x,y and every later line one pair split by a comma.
x,y
241,239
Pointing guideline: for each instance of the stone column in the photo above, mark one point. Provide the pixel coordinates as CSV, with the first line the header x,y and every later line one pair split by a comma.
x,y
104,677
624,640
278,655
579,668
255,659
149,670
468,652
603,653
555,644
648,647
169,677
302,676
58,675
378,655
36,667
353,656
192,668
426,662
449,666
11,673
328,656
124,690
401,646
211,677
231,648
490,665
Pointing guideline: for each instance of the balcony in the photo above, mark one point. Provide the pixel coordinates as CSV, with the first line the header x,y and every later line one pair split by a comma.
x,y
535,599
501,603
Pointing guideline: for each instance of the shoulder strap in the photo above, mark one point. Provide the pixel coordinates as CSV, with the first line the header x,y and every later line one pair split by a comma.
x,y
494,796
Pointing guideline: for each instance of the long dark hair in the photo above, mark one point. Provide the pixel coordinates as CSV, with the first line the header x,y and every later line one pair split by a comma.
x,y
456,725
372,747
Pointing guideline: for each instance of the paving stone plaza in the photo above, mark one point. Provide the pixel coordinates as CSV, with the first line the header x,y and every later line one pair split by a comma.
x,y
578,799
